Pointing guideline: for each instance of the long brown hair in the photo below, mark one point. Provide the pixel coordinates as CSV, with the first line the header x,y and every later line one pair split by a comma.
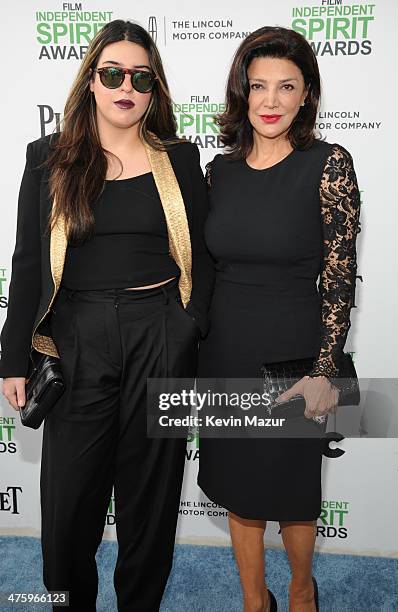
x,y
78,163
236,129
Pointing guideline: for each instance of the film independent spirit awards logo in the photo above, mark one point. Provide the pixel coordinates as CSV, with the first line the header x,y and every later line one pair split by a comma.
x,y
7,431
336,27
7,423
333,520
65,34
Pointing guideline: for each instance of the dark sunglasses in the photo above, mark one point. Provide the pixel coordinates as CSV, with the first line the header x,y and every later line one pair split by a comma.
x,y
112,78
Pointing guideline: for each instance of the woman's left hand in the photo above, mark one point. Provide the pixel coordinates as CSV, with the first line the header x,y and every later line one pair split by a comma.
x,y
320,395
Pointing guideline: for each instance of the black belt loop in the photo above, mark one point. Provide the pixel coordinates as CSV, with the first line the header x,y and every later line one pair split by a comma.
x,y
165,294
116,296
70,293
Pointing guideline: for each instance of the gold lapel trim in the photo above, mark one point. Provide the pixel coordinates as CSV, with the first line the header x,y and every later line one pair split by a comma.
x,y
177,228
176,217
58,245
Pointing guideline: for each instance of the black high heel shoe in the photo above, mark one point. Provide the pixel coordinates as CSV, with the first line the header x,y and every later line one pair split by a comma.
x,y
273,606
314,582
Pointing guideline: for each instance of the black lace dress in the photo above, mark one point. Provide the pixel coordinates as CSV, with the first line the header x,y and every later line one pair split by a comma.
x,y
273,233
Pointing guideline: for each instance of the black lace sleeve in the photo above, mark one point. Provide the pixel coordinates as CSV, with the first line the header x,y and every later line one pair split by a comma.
x,y
340,207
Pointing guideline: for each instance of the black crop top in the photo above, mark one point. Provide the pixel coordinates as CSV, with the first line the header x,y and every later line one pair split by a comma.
x,y
129,246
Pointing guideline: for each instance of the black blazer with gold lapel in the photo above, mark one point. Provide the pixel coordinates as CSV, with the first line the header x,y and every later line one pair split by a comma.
x,y
38,258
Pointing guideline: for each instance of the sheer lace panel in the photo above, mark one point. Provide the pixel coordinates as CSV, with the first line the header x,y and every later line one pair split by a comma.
x,y
340,207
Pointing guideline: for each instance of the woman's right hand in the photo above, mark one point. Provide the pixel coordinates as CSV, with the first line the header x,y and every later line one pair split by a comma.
x,y
14,391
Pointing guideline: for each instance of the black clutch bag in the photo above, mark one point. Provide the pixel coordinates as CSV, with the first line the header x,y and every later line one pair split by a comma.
x,y
43,388
279,377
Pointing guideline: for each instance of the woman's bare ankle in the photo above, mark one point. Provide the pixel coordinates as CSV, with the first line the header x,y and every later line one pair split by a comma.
x,y
301,594
256,602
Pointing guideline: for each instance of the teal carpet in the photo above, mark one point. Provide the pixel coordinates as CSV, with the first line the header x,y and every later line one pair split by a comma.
x,y
204,579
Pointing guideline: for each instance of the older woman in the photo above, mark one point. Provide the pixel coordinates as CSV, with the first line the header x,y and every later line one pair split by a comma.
x,y
284,210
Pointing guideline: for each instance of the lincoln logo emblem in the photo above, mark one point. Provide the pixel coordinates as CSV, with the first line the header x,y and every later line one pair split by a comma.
x,y
153,28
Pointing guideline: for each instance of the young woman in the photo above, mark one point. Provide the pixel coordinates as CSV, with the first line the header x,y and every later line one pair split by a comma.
x,y
111,275
284,209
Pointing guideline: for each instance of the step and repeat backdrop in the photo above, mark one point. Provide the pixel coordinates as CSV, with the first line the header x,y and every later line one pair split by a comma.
x,y
44,41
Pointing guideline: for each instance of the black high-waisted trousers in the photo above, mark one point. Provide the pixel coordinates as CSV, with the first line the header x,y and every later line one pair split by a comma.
x,y
110,342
